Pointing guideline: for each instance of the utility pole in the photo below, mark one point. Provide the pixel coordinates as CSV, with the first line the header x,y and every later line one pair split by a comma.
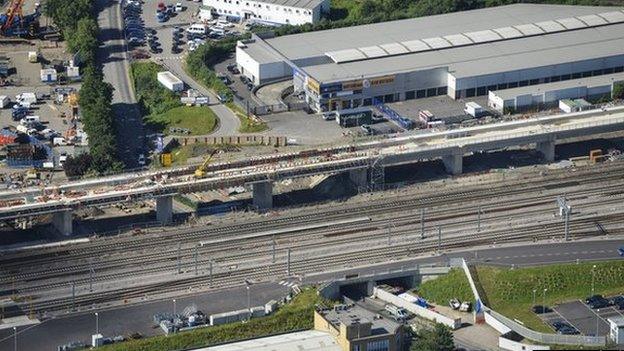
x,y
389,236
195,257
210,280
479,219
73,289
288,263
179,267
564,211
274,245
15,335
91,273
422,223
439,239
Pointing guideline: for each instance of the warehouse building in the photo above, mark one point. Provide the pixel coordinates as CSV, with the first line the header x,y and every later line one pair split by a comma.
x,y
548,95
461,55
270,12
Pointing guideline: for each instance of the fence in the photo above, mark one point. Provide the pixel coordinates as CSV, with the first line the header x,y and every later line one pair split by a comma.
x,y
418,310
235,140
260,110
503,325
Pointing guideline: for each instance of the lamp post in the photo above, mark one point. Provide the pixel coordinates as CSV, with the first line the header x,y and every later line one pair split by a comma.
x,y
15,335
597,318
174,307
544,300
534,291
593,279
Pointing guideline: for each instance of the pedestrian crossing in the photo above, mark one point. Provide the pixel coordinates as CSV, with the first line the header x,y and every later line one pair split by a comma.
x,y
288,284
170,57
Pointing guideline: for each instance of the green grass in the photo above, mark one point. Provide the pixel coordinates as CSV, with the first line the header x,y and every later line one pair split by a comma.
x,y
297,315
153,98
510,291
199,120
248,125
453,285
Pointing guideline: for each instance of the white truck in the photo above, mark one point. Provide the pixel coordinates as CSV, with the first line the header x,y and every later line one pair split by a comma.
x,y
59,141
4,101
474,109
26,99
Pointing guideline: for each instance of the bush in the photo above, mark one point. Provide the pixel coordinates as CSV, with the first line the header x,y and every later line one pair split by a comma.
x,y
77,166
152,96
199,65
618,90
453,285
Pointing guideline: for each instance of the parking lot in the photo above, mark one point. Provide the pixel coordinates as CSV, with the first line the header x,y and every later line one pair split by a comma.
x,y
581,317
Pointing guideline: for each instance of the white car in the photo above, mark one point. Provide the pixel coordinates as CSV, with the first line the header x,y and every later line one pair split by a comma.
x,y
178,7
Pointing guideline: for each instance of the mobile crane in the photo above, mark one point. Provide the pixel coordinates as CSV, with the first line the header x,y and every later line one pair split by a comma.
x,y
200,172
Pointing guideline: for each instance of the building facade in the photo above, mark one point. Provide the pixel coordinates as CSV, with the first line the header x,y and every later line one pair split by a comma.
x,y
356,329
276,12
461,55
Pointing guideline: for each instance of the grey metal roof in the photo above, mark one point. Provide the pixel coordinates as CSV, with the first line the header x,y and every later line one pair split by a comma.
x,y
500,56
317,43
304,4
596,81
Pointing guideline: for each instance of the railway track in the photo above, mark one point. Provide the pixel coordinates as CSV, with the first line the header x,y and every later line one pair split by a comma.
x,y
607,180
581,228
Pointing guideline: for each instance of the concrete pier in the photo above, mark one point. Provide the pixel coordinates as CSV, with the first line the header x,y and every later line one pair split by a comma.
x,y
547,149
263,195
453,163
62,221
359,177
164,209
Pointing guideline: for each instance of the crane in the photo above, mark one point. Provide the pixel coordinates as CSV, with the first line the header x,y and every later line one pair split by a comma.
x,y
13,22
200,172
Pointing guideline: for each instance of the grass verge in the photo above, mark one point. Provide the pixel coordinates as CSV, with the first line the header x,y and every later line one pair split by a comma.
x,y
248,125
510,291
200,120
297,315
453,285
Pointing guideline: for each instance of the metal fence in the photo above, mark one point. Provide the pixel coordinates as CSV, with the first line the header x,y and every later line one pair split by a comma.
x,y
532,334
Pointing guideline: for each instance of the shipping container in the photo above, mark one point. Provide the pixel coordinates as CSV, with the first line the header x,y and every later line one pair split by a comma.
x,y
354,117
169,81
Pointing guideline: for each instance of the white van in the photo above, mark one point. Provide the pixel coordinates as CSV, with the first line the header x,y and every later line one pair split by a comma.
x,y
217,31
398,313
196,29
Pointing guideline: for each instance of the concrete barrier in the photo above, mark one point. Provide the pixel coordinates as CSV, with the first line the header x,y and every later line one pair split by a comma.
x,y
417,310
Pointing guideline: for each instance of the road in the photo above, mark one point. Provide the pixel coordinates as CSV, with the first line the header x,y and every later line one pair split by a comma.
x,y
48,335
113,57
228,122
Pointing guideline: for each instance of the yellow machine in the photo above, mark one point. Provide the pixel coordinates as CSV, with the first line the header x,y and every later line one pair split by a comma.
x,y
200,172
166,159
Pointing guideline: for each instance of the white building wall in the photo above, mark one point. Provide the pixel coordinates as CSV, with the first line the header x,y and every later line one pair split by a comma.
x,y
256,10
248,66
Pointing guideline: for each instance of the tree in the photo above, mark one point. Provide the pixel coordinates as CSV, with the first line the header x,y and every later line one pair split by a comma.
x,y
438,339
76,166
83,40
618,90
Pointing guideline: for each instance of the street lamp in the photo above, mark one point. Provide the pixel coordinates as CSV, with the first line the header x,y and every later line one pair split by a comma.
x,y
174,307
534,291
248,299
97,323
593,279
597,318
15,334
544,300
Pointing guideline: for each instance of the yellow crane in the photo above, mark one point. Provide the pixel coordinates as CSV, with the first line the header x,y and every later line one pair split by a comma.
x,y
200,172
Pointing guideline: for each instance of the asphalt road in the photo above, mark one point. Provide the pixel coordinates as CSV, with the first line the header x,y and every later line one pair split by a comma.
x,y
113,57
48,335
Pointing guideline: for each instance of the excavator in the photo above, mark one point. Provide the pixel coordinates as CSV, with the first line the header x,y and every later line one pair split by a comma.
x,y
200,172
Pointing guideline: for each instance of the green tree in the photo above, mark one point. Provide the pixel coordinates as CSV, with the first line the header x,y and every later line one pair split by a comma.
x,y
83,40
618,90
438,339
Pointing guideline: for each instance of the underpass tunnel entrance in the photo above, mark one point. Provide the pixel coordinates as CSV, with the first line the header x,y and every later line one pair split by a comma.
x,y
355,291
404,283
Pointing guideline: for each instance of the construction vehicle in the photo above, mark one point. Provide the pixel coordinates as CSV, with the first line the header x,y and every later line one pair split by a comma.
x,y
200,172
14,23
72,99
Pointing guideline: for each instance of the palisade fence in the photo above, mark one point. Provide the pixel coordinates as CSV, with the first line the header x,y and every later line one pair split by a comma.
x,y
504,324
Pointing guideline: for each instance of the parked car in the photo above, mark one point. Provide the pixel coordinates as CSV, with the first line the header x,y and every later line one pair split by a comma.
x,y
598,303
397,313
178,7
135,41
141,160
539,309
367,129
568,330
593,298
621,251
175,49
